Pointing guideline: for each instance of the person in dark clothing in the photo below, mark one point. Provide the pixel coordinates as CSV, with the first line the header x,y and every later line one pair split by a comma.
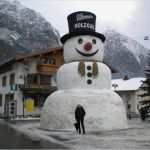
x,y
79,116
129,111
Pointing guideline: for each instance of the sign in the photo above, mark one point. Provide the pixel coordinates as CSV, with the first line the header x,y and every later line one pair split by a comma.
x,y
29,105
13,87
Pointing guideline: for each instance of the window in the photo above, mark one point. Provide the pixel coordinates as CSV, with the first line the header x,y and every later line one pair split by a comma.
x,y
48,60
51,61
9,97
45,79
32,79
1,100
4,80
12,79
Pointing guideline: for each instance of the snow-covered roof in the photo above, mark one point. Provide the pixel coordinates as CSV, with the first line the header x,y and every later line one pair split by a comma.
x,y
127,85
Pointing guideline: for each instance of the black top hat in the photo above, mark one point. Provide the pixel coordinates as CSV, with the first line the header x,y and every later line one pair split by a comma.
x,y
81,23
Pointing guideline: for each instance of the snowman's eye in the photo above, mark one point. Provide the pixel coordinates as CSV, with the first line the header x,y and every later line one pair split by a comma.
x,y
80,41
94,41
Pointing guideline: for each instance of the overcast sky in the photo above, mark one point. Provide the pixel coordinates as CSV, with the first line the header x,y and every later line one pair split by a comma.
x,y
130,17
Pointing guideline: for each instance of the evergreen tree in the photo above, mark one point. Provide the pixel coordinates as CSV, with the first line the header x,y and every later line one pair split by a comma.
x,y
144,104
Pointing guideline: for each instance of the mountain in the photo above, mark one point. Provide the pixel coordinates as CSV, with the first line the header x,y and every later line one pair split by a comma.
x,y
24,30
126,55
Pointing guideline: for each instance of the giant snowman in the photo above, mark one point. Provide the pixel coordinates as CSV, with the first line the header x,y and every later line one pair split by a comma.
x,y
83,79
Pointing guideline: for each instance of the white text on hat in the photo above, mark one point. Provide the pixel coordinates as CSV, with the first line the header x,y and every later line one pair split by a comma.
x,y
84,25
83,17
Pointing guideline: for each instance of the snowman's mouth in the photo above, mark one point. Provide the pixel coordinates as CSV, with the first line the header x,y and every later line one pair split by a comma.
x,y
86,54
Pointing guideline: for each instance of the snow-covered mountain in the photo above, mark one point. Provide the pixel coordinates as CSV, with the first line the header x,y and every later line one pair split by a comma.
x,y
23,29
124,54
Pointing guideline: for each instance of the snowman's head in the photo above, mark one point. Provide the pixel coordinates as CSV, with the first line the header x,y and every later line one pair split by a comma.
x,y
83,47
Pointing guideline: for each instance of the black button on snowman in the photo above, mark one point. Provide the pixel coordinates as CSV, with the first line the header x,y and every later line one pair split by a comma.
x,y
83,79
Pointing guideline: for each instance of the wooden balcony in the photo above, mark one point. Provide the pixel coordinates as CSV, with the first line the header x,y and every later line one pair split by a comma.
x,y
47,68
36,88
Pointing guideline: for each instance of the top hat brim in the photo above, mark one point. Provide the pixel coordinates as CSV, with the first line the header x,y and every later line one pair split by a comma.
x,y
73,34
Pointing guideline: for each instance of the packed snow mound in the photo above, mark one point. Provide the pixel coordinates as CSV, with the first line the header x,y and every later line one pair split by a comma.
x,y
104,110
73,80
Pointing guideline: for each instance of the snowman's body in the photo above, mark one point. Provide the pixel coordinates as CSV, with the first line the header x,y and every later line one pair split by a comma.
x,y
104,108
73,80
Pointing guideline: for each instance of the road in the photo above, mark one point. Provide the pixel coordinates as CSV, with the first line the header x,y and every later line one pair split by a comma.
x,y
136,136
12,139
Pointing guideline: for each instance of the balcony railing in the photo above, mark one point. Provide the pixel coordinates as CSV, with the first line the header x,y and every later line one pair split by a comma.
x,y
47,68
35,86
31,88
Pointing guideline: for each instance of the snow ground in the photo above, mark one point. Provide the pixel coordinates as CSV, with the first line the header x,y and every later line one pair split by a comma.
x,y
137,136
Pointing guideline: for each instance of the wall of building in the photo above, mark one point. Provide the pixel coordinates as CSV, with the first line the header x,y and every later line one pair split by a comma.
x,y
7,89
17,69
20,69
132,98
29,66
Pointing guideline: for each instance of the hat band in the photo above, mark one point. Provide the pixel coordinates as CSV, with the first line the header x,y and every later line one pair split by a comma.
x,y
84,25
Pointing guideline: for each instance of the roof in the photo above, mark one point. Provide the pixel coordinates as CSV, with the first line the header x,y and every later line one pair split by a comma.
x,y
34,54
7,61
127,85
24,56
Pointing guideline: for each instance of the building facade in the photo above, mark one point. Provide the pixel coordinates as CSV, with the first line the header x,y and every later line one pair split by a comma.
x,y
129,90
26,81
